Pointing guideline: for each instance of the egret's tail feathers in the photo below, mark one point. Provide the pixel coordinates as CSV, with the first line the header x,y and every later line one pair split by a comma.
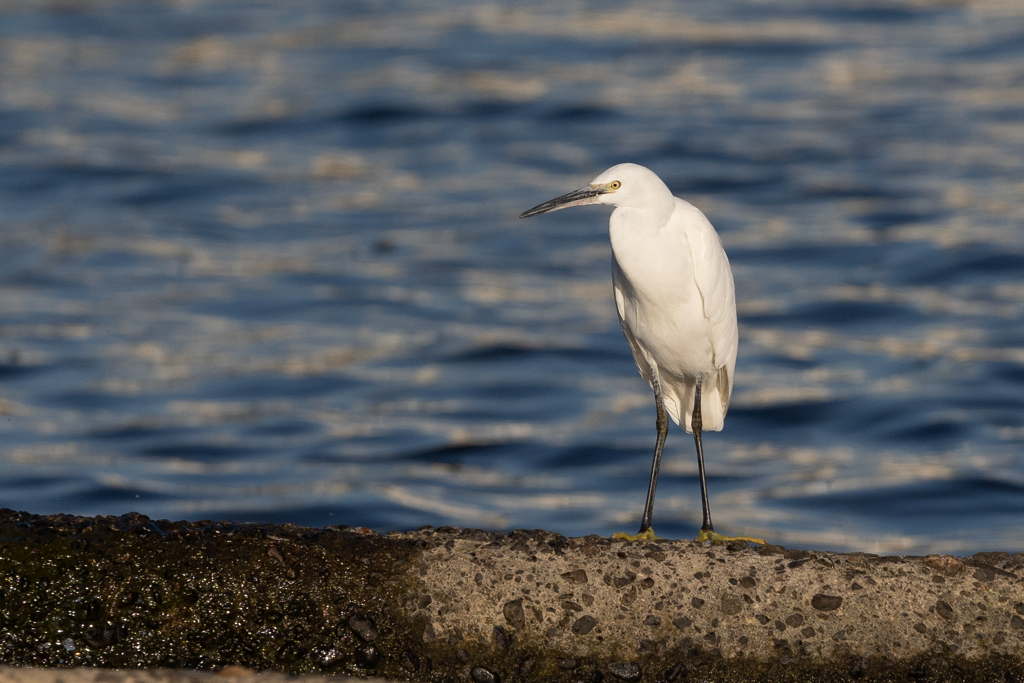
x,y
715,394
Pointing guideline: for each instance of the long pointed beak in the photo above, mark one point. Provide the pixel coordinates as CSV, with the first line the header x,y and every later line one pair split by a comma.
x,y
584,195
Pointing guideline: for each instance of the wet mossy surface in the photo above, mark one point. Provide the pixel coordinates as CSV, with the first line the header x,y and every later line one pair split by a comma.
x,y
130,592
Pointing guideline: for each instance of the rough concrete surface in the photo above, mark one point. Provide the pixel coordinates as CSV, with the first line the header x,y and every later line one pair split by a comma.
x,y
465,605
584,596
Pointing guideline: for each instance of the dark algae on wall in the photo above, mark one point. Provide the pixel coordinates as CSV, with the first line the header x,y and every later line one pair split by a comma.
x,y
129,592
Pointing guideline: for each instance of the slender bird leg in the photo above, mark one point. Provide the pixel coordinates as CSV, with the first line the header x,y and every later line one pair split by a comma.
x,y
695,424
661,422
707,531
646,532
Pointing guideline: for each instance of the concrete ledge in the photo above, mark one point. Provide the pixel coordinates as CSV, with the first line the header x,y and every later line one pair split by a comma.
x,y
9,674
449,604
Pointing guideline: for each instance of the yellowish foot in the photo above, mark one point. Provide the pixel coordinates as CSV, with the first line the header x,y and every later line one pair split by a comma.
x,y
718,539
645,536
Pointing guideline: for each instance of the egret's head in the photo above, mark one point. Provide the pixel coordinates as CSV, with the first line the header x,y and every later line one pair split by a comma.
x,y
625,185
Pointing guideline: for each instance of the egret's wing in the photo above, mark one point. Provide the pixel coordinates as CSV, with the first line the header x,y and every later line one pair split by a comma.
x,y
621,284
713,277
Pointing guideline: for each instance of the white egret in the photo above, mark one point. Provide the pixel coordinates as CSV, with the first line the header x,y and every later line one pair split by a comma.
x,y
677,307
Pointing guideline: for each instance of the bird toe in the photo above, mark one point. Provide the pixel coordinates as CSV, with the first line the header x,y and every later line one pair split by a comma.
x,y
647,535
718,539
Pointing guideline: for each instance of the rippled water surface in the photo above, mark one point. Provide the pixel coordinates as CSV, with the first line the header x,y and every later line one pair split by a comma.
x,y
261,261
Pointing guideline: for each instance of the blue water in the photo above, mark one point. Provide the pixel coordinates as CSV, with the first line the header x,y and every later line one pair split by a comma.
x,y
261,261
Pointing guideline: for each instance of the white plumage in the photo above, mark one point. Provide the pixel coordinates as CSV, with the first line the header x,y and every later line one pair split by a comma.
x,y
676,301
674,293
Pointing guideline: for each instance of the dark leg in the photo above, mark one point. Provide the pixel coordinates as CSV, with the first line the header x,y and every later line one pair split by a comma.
x,y
696,423
707,532
662,424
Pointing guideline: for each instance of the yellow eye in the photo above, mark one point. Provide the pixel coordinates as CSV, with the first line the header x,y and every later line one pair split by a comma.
x,y
615,184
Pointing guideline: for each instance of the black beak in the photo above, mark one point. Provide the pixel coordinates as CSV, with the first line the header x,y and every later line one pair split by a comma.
x,y
584,195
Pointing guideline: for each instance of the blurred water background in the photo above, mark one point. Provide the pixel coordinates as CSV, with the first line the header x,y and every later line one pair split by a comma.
x,y
260,261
